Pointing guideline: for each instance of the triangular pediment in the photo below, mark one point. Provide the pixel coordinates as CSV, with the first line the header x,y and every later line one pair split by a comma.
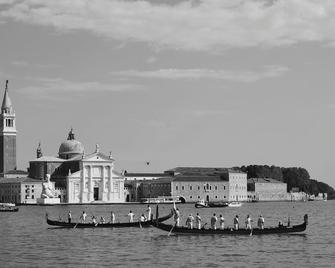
x,y
97,157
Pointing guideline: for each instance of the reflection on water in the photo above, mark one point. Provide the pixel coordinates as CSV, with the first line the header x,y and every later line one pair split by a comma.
x,y
27,241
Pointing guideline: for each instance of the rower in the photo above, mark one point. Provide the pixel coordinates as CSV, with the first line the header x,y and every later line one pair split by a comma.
x,y
221,220
189,221
131,216
69,216
214,219
112,217
198,221
149,212
83,217
94,219
102,219
236,222
176,217
260,222
143,218
248,223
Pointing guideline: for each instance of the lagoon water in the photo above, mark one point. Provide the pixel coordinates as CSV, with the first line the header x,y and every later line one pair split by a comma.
x,y
27,241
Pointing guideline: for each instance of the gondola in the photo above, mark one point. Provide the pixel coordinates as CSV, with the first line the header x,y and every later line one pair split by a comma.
x,y
107,224
230,231
9,209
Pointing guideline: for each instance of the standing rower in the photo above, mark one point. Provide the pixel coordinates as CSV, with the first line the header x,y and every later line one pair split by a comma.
x,y
221,220
149,212
69,216
177,216
198,221
214,219
131,216
236,222
112,217
260,222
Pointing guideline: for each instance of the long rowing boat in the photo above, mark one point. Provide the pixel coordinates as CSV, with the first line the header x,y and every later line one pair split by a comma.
x,y
229,231
107,224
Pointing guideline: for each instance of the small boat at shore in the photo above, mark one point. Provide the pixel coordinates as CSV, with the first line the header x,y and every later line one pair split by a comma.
x,y
230,231
234,204
8,207
140,224
203,204
161,199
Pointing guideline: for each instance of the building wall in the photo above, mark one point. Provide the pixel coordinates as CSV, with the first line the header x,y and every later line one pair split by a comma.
x,y
193,191
268,191
30,192
155,189
7,153
238,186
20,192
95,177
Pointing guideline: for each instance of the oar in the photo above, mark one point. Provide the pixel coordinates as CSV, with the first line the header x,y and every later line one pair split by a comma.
x,y
75,225
204,225
171,230
140,224
250,232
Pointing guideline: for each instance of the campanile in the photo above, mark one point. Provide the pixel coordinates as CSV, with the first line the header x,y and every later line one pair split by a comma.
x,y
7,135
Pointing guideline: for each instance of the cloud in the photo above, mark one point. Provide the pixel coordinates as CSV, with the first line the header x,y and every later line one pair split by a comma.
x,y
195,74
58,88
192,25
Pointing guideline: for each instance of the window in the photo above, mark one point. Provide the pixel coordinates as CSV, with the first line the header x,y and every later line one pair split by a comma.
x,y
198,196
182,187
224,187
207,186
32,190
198,187
27,196
216,197
216,187
32,196
191,197
177,187
191,187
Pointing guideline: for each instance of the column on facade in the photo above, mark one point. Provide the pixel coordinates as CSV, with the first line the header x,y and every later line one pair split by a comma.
x,y
110,183
82,187
103,179
68,190
90,184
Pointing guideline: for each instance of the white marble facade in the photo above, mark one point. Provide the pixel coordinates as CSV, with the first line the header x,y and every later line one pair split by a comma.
x,y
96,181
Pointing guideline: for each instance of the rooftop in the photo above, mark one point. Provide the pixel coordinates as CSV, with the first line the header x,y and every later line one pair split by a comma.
x,y
263,180
18,180
209,171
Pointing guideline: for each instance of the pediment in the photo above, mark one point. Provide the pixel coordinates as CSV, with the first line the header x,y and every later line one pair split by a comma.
x,y
98,157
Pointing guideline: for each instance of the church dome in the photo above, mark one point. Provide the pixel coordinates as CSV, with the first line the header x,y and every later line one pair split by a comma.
x,y
71,147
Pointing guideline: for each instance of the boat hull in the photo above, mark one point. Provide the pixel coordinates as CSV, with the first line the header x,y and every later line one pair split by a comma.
x,y
9,210
106,225
230,231
211,205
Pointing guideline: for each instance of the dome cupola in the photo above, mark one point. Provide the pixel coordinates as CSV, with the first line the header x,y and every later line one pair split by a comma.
x,y
71,147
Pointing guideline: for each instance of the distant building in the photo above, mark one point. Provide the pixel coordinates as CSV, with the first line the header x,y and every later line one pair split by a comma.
x,y
20,190
133,184
79,178
266,189
191,184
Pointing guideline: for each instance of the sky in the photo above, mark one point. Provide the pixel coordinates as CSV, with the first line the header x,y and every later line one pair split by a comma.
x,y
215,83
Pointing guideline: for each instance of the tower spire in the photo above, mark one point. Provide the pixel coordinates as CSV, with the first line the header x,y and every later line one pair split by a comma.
x,y
6,103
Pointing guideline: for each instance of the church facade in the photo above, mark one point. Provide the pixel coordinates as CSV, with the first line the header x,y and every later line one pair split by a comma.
x,y
80,178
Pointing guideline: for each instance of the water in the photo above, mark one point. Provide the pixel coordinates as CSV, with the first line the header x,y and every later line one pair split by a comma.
x,y
27,241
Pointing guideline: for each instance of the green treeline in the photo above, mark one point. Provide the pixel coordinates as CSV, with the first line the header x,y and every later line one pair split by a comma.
x,y
293,176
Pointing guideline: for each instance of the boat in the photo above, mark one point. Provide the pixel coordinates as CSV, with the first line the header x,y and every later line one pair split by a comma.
x,y
234,204
230,231
140,224
161,199
8,207
203,204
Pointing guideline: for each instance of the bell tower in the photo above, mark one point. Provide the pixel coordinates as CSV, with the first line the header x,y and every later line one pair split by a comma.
x,y
7,135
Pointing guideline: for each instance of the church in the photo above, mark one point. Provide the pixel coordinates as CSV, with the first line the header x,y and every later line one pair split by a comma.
x,y
79,177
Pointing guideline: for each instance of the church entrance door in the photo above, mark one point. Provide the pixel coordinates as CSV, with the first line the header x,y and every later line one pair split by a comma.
x,y
96,193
